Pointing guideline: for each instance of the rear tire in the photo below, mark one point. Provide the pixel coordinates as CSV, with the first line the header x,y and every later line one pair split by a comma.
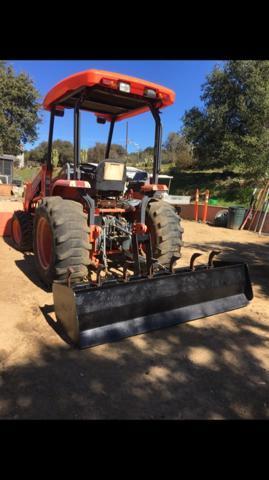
x,y
166,231
22,230
61,240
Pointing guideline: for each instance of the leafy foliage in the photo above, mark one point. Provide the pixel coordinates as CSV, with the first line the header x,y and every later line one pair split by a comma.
x,y
65,149
19,109
65,152
83,155
55,157
178,151
232,128
97,153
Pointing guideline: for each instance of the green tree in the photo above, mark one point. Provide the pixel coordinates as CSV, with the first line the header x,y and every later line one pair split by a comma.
x,y
83,155
3,65
19,107
64,148
66,151
38,154
178,151
117,151
55,157
148,151
97,153
232,128
133,158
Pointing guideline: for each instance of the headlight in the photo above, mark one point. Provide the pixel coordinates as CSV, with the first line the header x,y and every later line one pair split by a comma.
x,y
149,92
124,87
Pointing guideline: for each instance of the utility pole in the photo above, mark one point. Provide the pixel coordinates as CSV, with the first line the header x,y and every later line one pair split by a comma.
x,y
126,145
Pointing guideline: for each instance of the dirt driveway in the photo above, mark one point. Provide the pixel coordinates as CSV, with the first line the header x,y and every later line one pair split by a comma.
x,y
212,368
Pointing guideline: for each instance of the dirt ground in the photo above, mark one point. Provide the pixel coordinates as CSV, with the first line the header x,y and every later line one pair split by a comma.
x,y
213,368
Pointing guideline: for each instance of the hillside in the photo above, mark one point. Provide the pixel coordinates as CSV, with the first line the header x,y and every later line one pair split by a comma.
x,y
227,187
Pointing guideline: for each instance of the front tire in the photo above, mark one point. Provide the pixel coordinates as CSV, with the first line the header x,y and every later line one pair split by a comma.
x,y
61,240
165,230
22,230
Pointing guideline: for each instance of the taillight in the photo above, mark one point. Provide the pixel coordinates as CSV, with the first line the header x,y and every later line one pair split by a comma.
x,y
109,82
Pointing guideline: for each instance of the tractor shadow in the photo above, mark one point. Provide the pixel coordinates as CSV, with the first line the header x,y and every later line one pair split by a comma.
x,y
205,370
46,311
255,255
212,368
27,266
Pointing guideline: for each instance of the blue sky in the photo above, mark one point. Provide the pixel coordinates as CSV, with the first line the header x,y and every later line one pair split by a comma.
x,y
182,76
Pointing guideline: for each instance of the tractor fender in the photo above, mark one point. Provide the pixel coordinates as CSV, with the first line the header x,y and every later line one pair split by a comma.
x,y
69,183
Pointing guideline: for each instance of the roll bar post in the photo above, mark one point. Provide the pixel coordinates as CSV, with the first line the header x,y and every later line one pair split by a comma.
x,y
157,143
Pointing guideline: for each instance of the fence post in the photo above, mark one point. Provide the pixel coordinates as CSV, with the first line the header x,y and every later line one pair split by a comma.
x,y
196,205
205,206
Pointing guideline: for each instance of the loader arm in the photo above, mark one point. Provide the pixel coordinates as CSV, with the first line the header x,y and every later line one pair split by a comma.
x,y
37,188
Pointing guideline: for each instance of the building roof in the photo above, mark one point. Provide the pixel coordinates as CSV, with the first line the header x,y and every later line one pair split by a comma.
x,y
4,156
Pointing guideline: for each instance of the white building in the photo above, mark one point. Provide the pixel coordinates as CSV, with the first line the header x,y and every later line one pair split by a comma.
x,y
20,158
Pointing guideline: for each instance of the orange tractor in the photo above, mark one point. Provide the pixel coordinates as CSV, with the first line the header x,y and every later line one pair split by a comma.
x,y
109,247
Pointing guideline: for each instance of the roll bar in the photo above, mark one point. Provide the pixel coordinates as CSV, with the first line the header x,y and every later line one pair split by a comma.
x,y
157,140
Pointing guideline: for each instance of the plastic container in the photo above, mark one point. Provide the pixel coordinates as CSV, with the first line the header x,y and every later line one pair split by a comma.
x,y
212,201
221,218
236,216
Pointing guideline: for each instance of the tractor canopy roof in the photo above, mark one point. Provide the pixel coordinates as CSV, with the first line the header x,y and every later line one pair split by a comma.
x,y
112,96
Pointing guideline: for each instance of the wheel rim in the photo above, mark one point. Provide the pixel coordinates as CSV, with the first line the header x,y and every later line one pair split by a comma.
x,y
16,231
44,243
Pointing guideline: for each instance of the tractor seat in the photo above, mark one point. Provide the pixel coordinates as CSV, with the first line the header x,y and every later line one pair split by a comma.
x,y
110,176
